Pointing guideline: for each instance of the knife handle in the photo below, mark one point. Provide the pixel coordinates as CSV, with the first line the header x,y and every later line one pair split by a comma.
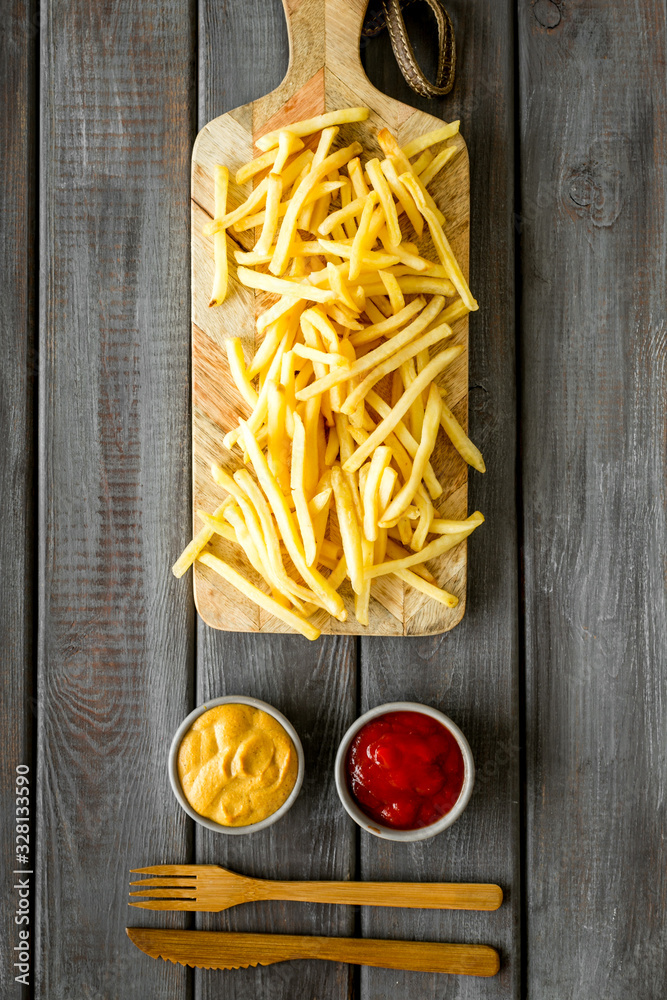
x,y
425,895
416,956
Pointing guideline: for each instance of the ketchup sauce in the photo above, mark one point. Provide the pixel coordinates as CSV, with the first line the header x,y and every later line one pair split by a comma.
x,y
405,770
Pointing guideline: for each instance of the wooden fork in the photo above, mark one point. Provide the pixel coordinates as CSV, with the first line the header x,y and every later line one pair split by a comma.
x,y
213,888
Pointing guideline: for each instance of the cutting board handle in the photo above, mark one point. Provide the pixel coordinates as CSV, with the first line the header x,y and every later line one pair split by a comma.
x,y
324,31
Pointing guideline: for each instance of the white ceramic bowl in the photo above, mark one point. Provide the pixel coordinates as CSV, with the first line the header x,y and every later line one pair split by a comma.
x,y
173,765
386,832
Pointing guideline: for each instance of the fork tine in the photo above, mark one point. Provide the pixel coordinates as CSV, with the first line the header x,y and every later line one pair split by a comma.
x,y
170,869
149,883
186,904
167,893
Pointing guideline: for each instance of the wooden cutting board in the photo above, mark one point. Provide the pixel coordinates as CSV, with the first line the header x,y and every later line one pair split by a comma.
x,y
324,74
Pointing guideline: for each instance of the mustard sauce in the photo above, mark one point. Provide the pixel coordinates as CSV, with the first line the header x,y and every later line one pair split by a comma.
x,y
237,765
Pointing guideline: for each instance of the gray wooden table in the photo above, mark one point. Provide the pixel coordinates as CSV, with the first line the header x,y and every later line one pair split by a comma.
x,y
557,672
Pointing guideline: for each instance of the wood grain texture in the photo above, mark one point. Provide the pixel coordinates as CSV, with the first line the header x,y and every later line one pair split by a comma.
x,y
17,452
314,684
472,673
116,630
324,73
594,141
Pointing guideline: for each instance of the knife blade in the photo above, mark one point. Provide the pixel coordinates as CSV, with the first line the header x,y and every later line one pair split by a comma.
x,y
231,950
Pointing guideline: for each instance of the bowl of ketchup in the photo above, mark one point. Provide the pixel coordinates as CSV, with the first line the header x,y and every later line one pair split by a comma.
x,y
404,771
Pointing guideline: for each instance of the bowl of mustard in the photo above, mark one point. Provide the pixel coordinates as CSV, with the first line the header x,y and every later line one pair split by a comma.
x,y
236,765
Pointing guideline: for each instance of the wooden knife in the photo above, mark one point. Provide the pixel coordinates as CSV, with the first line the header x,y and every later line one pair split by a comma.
x,y
225,950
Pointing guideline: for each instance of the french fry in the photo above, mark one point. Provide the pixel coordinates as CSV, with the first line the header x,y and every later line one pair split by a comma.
x,y
426,517
369,260
218,526
374,314
288,143
255,545
235,518
221,175
422,162
279,309
429,433
371,490
267,349
349,211
284,286
198,543
238,371
298,465
448,526
338,574
406,256
430,551
362,600
408,375
356,174
415,285
379,182
277,435
390,282
304,518
404,199
337,285
319,514
440,161
415,146
273,195
350,531
466,449
440,242
424,587
350,225
397,551
457,310
405,531
363,239
269,604
321,357
324,145
310,125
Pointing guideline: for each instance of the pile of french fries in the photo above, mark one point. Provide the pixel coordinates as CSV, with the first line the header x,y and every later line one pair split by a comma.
x,y
343,407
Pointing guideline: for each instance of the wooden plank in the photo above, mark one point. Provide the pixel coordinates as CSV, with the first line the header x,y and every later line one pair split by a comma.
x,y
593,132
116,630
314,684
18,53
471,673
